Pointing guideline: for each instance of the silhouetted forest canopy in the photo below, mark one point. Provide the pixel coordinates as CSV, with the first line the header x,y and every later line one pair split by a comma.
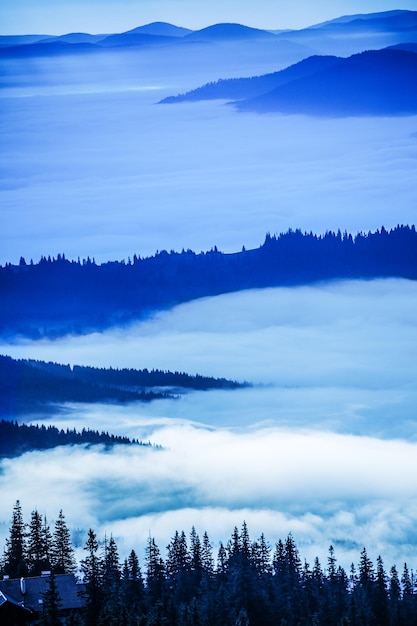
x,y
16,439
57,296
244,582
29,385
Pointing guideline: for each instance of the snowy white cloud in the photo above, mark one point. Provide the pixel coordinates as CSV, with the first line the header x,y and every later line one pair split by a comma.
x,y
327,450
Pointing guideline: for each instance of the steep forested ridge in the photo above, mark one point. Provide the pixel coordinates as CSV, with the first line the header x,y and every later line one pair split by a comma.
x,y
29,386
58,296
247,583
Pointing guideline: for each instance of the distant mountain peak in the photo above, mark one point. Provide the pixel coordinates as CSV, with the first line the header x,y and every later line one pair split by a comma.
x,y
229,30
162,29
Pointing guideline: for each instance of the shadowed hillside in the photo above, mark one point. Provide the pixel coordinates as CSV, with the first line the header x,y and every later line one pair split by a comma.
x,y
29,386
58,296
378,82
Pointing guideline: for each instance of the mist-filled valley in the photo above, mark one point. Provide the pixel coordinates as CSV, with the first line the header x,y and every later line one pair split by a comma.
x,y
323,441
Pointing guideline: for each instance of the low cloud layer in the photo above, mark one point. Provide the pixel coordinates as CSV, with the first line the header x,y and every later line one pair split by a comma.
x,y
93,167
325,488
326,449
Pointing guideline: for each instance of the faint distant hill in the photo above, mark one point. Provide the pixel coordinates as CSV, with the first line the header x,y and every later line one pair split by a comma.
x,y
74,38
57,296
20,40
136,39
28,386
387,21
342,36
381,82
409,47
55,47
354,33
161,29
229,32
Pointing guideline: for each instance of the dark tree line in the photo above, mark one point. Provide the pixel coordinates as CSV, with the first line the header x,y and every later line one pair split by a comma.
x,y
56,296
27,386
15,439
32,547
246,583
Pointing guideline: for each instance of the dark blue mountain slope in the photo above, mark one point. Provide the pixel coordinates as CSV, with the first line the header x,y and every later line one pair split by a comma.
x,y
56,297
28,385
379,82
239,88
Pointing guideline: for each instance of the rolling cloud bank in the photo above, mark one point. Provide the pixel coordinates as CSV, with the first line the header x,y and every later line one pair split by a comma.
x,y
324,442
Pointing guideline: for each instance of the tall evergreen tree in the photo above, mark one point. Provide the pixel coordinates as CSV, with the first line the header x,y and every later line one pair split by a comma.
x,y
110,582
132,590
62,552
38,545
91,569
15,551
380,604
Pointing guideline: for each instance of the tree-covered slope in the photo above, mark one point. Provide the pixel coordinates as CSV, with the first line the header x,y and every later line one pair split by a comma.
x,y
57,296
375,82
30,386
16,439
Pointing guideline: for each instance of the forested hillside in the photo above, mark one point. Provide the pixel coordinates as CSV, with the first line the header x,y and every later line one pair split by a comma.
x,y
16,439
240,583
57,296
30,386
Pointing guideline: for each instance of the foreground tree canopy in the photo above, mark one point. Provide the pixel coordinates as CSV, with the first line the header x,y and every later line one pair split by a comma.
x,y
246,583
58,296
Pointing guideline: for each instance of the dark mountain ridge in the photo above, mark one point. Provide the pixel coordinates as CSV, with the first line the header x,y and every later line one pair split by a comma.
x,y
241,88
375,82
57,296
28,386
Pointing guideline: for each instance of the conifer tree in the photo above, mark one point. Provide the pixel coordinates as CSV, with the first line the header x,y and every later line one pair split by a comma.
x,y
381,595
15,551
132,590
38,545
110,584
91,569
62,552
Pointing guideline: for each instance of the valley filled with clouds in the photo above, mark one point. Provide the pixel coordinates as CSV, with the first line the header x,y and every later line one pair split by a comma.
x,y
323,444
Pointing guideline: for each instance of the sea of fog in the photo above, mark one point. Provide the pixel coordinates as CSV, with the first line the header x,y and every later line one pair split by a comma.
x,y
92,166
324,444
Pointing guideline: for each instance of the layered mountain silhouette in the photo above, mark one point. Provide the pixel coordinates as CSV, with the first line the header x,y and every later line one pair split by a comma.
x,y
344,35
376,82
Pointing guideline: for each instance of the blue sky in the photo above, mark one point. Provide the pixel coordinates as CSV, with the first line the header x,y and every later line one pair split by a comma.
x,y
62,16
